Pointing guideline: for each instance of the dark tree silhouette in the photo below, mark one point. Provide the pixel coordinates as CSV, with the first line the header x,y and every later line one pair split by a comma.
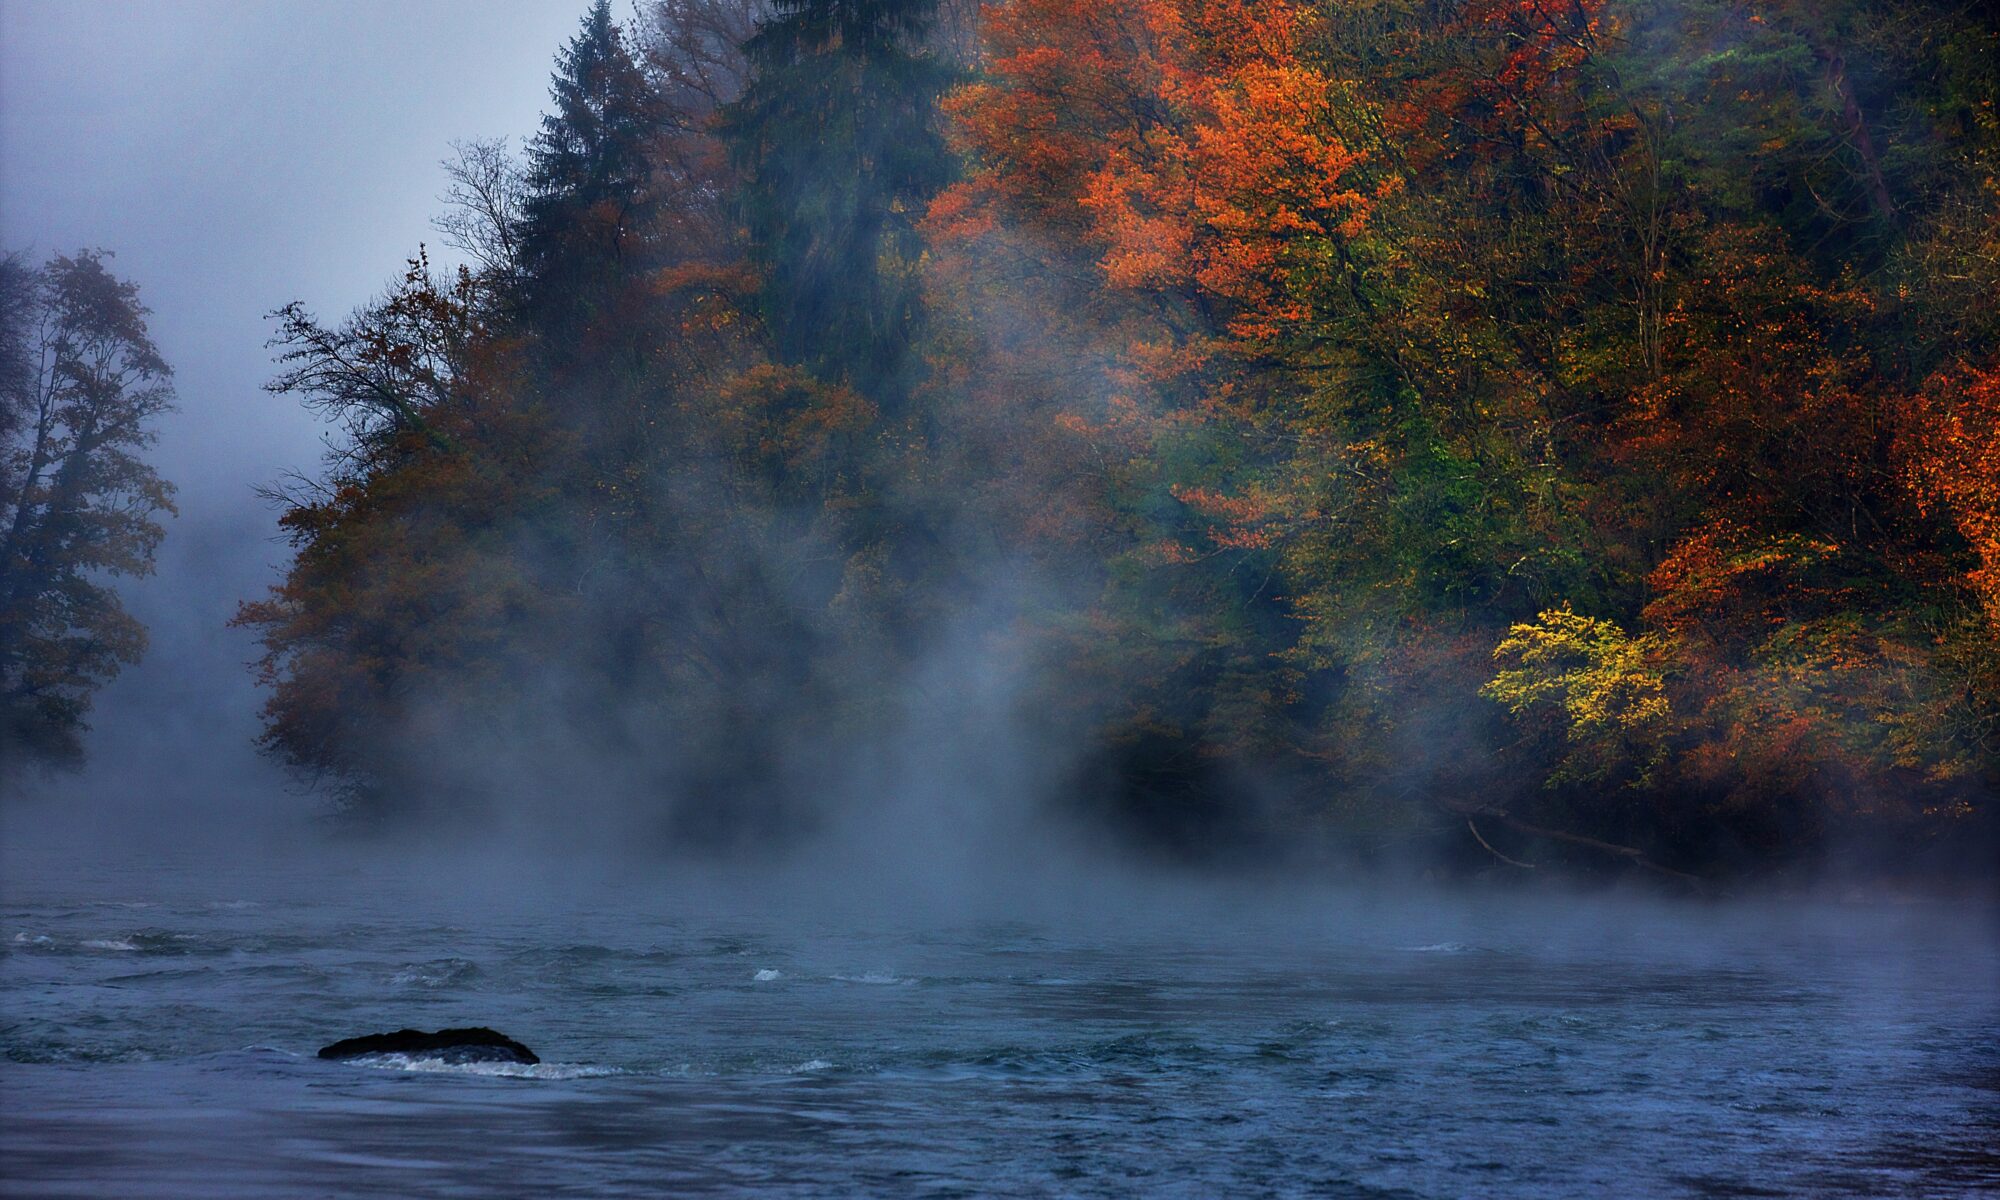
x,y
586,212
838,138
80,386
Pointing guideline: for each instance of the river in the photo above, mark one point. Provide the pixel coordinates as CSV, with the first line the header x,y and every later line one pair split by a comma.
x,y
158,1026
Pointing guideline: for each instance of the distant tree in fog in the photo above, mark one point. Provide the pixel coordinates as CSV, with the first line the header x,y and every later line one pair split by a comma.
x,y
80,384
17,292
584,210
838,139
694,49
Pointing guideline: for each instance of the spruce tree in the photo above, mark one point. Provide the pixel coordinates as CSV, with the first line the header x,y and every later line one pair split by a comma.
x,y
837,137
587,210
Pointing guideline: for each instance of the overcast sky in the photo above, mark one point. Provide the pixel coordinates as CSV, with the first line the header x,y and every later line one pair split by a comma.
x,y
235,155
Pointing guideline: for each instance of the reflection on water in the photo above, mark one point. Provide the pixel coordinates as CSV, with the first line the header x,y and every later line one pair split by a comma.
x,y
158,1041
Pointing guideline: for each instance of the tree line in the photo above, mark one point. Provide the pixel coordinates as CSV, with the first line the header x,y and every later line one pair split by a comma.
x,y
1559,431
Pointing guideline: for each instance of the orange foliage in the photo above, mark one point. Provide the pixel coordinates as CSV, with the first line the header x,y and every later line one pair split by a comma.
x,y
1762,424
1189,143
1951,463
1727,580
784,425
1237,522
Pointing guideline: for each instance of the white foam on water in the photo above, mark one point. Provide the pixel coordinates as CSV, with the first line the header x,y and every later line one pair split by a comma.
x,y
1441,948
878,978
813,1064
33,939
109,944
767,975
443,973
496,1070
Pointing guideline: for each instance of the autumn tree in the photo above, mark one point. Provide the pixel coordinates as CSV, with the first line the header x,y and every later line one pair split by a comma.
x,y
1426,321
81,384
1166,181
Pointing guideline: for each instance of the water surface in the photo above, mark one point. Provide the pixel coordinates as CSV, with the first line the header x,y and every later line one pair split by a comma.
x,y
157,1031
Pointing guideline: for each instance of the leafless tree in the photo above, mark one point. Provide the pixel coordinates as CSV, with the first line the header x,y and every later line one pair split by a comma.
x,y
956,33
694,48
483,206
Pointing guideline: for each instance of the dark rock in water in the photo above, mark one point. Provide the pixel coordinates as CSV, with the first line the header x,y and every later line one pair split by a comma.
x,y
450,1045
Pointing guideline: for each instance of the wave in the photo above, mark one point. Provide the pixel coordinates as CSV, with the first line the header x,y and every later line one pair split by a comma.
x,y
145,941
428,1064
767,975
444,972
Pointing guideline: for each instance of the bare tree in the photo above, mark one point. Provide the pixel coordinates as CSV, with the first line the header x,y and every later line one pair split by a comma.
x,y
956,33
694,48
693,53
484,203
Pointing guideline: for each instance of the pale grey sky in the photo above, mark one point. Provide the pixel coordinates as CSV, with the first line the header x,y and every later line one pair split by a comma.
x,y
235,155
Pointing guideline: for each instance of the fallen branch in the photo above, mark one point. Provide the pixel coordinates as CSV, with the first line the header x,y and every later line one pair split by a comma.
x,y
1512,862
1631,854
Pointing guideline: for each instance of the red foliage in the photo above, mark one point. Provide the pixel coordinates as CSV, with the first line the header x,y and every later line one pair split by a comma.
x,y
1189,144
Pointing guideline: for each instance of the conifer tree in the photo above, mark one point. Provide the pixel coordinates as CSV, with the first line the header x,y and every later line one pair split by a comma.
x,y
839,142
586,213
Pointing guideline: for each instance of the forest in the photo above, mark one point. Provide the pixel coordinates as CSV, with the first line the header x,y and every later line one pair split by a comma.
x,y
1555,434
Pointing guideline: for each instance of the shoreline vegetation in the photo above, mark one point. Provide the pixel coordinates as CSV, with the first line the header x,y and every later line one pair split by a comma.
x,y
1562,436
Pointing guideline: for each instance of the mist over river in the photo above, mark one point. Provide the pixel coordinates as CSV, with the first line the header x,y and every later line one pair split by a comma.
x,y
730,1035
922,598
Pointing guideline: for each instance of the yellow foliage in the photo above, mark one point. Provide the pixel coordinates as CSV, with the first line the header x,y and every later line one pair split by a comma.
x,y
1604,686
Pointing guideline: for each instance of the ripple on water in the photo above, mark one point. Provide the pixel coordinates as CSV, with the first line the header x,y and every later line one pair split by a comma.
x,y
425,1065
439,973
146,941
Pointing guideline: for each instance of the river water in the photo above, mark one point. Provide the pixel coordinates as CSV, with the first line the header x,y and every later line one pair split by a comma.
x,y
158,1028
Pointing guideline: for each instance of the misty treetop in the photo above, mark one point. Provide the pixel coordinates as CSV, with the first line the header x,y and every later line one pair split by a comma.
x,y
1555,431
81,388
